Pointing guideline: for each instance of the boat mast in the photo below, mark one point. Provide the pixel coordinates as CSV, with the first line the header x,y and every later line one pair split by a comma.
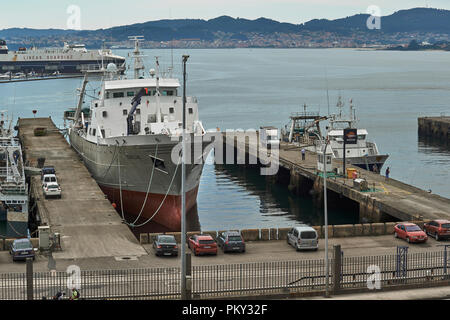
x,y
80,101
158,108
137,56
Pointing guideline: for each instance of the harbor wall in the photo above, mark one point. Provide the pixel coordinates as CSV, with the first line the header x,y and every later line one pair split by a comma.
x,y
435,127
267,234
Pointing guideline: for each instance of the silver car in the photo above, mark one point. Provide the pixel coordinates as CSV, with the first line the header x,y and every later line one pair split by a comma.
x,y
303,237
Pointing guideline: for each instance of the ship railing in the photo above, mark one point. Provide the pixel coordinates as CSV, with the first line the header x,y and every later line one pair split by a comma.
x,y
372,148
304,114
9,190
4,172
191,99
90,67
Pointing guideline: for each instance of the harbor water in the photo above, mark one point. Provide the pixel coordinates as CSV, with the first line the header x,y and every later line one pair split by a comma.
x,y
249,88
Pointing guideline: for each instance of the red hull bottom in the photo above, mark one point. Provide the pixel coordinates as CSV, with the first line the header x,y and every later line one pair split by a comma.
x,y
168,216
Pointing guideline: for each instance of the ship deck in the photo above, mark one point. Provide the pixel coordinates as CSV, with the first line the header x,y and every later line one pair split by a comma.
x,y
88,224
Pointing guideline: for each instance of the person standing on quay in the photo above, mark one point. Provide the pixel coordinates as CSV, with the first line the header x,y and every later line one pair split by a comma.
x,y
375,168
303,153
387,173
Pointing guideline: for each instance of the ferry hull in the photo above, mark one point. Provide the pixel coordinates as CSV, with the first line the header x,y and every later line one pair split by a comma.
x,y
367,162
128,169
168,215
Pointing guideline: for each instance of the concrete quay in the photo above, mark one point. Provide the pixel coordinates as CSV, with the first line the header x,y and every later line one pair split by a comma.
x,y
437,128
388,199
88,224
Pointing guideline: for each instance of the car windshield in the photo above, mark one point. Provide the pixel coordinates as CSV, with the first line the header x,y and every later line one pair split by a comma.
x,y
206,241
166,240
308,235
23,245
234,238
413,228
446,225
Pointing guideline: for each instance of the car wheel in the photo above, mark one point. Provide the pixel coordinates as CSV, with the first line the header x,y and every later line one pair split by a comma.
x,y
296,247
436,236
195,253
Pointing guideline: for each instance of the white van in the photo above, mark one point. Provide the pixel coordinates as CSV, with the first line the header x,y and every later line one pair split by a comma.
x,y
303,237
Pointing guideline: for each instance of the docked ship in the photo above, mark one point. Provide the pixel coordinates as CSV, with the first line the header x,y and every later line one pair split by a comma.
x,y
71,59
128,137
363,154
14,198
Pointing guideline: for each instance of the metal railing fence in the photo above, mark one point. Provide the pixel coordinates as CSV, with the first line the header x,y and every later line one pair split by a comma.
x,y
234,280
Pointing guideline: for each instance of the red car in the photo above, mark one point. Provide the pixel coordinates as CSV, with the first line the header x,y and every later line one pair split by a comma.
x,y
410,232
202,244
440,229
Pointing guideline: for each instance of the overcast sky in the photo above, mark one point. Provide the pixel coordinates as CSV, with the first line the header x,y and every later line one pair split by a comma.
x,y
97,14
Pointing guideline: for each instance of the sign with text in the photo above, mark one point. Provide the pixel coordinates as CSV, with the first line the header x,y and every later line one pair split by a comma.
x,y
350,136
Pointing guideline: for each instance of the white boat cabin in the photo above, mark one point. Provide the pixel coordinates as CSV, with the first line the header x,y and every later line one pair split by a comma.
x,y
360,149
156,114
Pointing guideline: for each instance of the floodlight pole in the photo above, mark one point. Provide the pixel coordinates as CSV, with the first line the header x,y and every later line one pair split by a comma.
x,y
327,267
324,141
183,194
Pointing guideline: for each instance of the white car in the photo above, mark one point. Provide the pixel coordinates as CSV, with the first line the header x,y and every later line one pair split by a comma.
x,y
49,178
303,237
51,189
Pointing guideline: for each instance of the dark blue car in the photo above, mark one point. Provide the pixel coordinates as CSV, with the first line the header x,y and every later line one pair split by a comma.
x,y
21,249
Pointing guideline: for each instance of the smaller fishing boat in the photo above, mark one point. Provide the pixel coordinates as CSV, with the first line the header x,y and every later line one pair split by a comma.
x,y
363,153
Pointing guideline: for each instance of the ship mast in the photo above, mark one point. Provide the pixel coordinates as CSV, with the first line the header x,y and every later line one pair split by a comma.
x,y
158,94
137,56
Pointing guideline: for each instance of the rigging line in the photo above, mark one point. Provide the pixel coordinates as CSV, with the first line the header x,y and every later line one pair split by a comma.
x,y
148,188
113,158
164,199
17,232
86,158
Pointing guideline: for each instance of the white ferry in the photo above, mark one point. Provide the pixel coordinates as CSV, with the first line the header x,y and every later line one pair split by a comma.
x,y
71,59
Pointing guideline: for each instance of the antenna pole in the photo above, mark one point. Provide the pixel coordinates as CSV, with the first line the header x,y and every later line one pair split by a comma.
x,y
328,97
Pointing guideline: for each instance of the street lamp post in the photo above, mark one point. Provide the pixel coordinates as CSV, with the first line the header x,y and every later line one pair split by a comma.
x,y
183,195
327,267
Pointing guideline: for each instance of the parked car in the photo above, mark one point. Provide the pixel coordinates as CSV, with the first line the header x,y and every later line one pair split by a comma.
x,y
47,170
410,232
303,237
202,244
46,178
439,229
165,245
51,189
21,249
231,241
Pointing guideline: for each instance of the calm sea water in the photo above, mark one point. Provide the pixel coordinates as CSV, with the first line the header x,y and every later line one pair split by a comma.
x,y
248,88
